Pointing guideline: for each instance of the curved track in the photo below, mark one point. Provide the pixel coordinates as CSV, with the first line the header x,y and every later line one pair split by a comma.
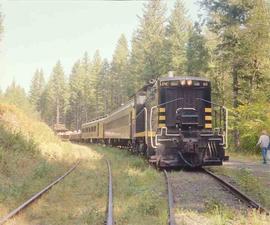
x,y
36,196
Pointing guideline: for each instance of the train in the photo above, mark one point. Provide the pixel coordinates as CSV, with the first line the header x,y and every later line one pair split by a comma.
x,y
170,120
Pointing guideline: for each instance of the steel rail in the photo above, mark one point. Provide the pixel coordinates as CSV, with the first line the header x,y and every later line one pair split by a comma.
x,y
171,220
237,192
110,197
36,196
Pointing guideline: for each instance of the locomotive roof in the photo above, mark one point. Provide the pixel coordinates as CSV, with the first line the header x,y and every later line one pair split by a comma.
x,y
184,78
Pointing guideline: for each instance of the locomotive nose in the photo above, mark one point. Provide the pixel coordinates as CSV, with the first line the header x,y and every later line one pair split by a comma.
x,y
190,145
187,117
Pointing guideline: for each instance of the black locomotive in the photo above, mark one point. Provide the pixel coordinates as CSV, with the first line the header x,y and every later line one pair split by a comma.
x,y
170,120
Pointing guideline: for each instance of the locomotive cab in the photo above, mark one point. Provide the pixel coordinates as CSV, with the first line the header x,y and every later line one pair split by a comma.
x,y
185,127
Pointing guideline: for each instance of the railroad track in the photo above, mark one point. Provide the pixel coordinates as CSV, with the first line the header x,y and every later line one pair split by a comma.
x,y
109,216
36,196
109,219
171,219
239,194
233,190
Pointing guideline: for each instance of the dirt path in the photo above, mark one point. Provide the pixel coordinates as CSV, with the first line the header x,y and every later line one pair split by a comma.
x,y
259,170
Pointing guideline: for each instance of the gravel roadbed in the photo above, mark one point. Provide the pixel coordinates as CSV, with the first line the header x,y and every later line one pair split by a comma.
x,y
198,192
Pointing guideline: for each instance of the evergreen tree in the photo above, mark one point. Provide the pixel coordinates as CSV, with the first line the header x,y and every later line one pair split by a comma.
x,y
256,51
95,82
16,95
176,39
76,87
197,53
57,94
104,87
217,72
120,79
242,28
88,97
36,89
148,44
47,111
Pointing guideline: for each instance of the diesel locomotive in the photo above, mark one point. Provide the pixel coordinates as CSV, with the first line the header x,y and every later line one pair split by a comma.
x,y
172,121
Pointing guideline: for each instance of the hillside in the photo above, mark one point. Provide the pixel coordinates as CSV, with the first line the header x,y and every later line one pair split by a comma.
x,y
30,156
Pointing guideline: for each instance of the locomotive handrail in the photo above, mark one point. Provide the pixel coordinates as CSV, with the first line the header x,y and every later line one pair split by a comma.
x,y
210,102
226,119
151,139
146,126
151,113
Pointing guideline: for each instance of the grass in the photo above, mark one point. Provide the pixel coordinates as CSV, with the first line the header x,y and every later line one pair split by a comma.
x,y
79,199
244,155
139,190
247,182
219,214
31,157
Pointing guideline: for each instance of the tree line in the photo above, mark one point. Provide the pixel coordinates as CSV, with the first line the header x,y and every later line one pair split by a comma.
x,y
230,45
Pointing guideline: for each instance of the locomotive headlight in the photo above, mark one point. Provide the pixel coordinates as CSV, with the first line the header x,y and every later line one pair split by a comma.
x,y
174,83
205,84
197,84
189,82
183,82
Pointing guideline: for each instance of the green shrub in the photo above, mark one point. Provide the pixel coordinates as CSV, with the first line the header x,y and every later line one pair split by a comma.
x,y
15,141
42,170
250,120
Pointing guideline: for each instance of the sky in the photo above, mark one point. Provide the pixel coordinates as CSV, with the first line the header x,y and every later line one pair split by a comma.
x,y
38,33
